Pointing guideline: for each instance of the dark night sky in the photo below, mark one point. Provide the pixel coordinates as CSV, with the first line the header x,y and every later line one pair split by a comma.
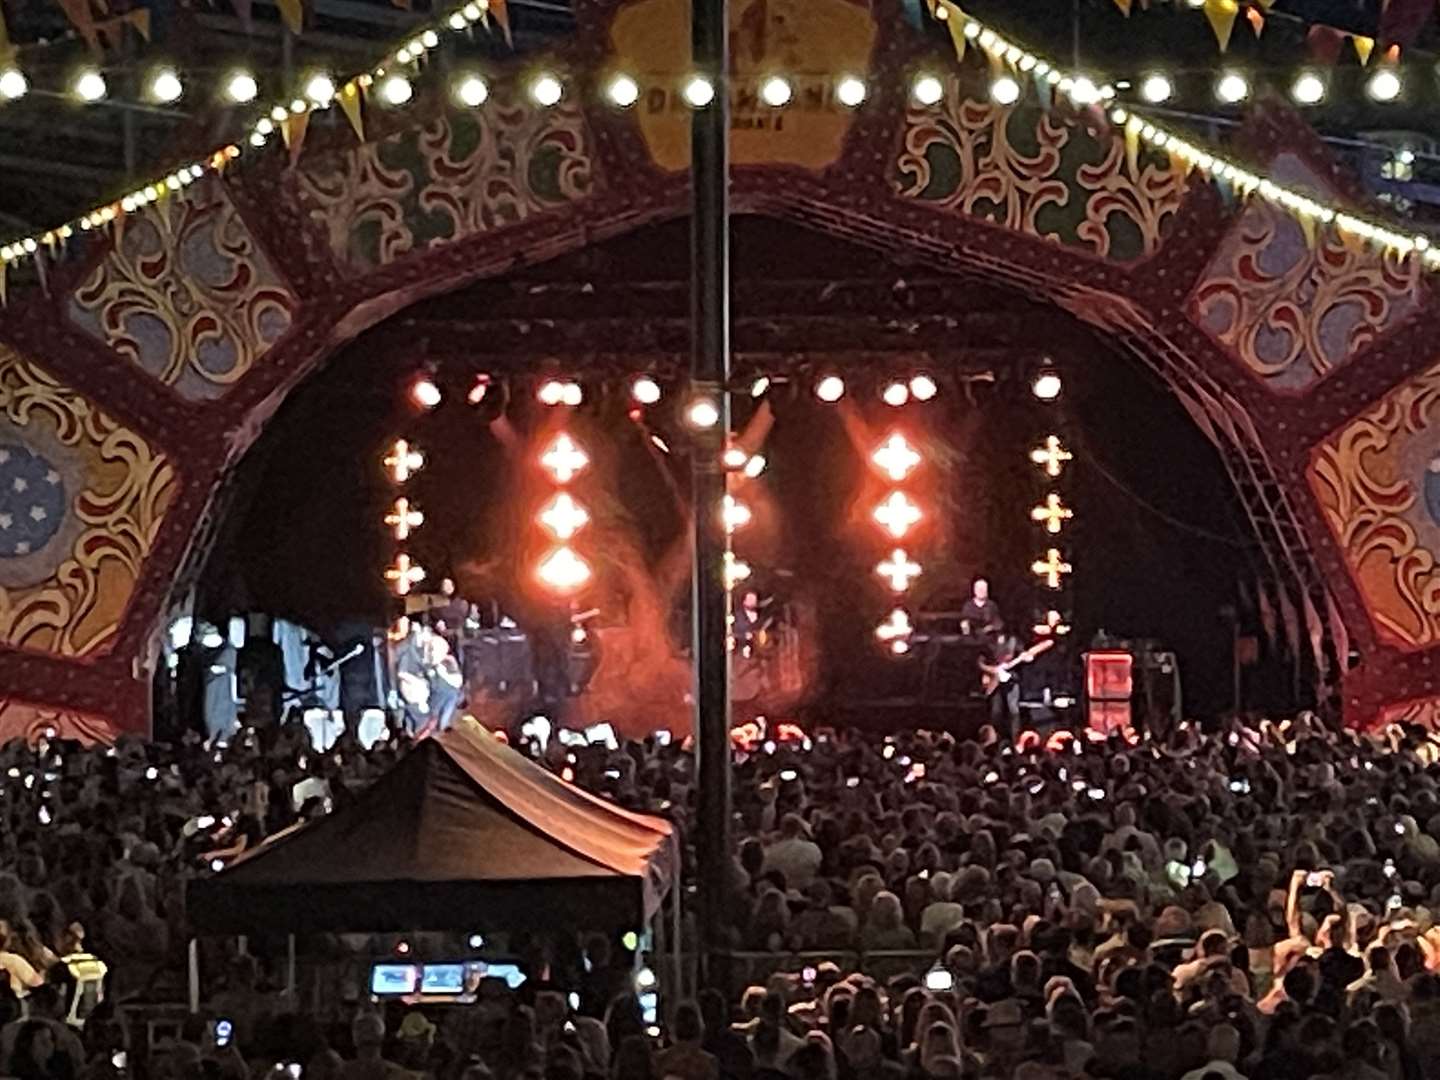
x,y
303,538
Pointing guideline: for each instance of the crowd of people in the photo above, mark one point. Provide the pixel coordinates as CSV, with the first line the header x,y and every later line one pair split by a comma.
x,y
1249,901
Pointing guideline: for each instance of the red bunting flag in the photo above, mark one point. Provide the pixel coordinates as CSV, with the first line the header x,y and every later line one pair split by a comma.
x,y
1324,43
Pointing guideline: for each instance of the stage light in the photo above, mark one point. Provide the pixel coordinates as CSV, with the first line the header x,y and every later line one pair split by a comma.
x,y
90,86
564,459
897,514
241,88
645,390
1052,622
1384,85
546,91
563,570
1052,456
396,90
850,92
775,92
475,941
1047,385
923,388
578,636
320,89
1232,88
623,91
404,519
736,570
1004,91
1156,89
478,389
563,517
1308,89
830,389
896,457
927,90
166,87
899,570
896,627
1052,513
13,84
755,466
425,393
734,458
403,574
402,948
759,386
699,92
1051,569
895,394
572,394
702,413
403,461
734,514
471,91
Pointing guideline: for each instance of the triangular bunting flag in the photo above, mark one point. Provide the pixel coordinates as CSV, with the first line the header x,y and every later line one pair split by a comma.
x,y
1132,147
955,23
1123,5
1221,15
7,50
4,286
1324,42
292,12
80,16
352,106
502,16
1256,18
140,20
1308,227
1364,46
292,130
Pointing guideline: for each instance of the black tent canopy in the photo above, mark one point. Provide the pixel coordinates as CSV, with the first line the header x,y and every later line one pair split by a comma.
x,y
463,834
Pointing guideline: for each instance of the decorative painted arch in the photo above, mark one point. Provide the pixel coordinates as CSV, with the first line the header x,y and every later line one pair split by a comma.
x,y
152,358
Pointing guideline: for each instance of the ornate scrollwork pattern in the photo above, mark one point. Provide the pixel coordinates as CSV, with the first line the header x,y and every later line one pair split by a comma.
x,y
67,595
1031,172
1377,481
187,294
462,174
1292,305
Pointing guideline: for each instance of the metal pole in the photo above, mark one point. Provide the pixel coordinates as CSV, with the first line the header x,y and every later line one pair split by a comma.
x,y
710,374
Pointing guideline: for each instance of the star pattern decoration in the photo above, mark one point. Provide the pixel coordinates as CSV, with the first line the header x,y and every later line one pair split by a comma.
x,y
33,501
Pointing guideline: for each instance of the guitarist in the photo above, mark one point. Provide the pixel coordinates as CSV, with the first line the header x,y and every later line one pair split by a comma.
x,y
999,678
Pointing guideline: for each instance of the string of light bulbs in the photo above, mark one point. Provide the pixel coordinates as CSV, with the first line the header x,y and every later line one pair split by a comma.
x,y
1083,92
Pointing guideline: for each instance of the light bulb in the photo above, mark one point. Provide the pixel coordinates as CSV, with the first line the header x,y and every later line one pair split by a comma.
x,y
703,414
1156,89
1047,385
830,389
1384,85
90,86
472,91
850,91
13,84
645,390
623,91
547,90
895,394
1084,92
775,92
320,89
928,90
699,92
396,90
165,86
1309,89
242,88
1232,88
1005,91
923,388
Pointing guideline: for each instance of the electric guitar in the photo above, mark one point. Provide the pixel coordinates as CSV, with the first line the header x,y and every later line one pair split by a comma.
x,y
994,676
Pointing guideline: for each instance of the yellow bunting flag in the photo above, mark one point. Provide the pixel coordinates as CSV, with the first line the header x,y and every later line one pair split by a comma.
x,y
1124,6
292,12
955,22
1221,15
1364,46
352,106
7,50
292,130
1132,147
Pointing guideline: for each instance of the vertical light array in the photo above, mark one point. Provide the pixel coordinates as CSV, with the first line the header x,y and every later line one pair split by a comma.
x,y
1051,517
562,517
402,461
897,514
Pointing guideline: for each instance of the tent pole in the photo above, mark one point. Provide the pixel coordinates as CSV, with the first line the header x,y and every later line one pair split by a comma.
x,y
193,965
710,377
290,968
